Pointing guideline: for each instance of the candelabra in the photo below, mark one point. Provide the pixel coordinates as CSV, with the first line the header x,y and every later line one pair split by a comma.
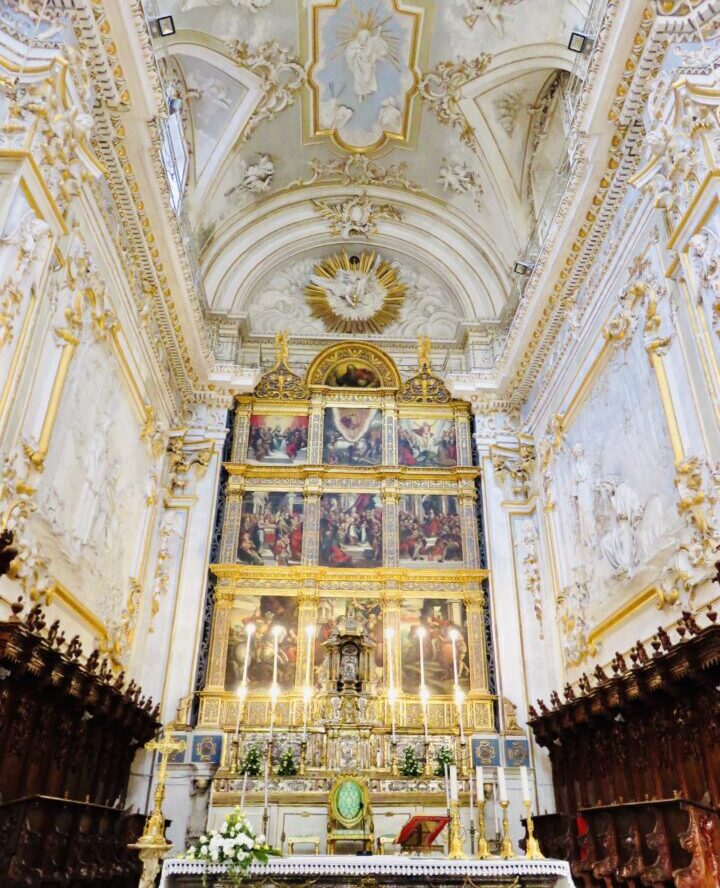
x,y
483,849
393,757
456,844
461,757
532,846
507,852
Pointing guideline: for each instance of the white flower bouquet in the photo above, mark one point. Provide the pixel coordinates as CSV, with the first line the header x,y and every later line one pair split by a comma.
x,y
234,845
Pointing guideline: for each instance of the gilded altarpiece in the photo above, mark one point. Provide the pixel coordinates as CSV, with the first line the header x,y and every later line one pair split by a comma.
x,y
351,498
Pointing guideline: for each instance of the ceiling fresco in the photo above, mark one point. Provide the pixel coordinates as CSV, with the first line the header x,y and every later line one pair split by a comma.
x,y
427,132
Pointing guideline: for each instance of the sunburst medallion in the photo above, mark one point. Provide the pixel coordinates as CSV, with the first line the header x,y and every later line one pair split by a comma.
x,y
355,294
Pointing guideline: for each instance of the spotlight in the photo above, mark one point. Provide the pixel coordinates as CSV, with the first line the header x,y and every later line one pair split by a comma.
x,y
579,42
522,268
162,26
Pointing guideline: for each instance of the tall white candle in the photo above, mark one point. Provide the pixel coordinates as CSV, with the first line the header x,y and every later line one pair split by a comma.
x,y
453,784
472,797
480,784
424,703
495,808
459,698
502,787
447,786
308,671
421,642
453,639
249,631
392,698
307,696
525,784
244,789
276,639
267,779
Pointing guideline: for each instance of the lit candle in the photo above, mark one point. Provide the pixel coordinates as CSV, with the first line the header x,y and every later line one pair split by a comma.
x,y
453,639
495,809
525,784
276,640
242,794
502,786
421,642
459,697
310,635
479,779
392,697
267,779
307,696
242,693
424,695
453,784
249,631
472,800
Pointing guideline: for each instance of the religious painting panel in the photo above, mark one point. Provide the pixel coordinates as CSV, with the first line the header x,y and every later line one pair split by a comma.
x,y
271,528
277,440
352,436
427,629
350,530
430,531
270,615
339,614
427,443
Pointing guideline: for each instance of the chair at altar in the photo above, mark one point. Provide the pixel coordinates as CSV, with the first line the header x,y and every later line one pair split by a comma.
x,y
349,813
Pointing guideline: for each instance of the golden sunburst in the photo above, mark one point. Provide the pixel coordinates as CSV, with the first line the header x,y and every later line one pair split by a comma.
x,y
340,278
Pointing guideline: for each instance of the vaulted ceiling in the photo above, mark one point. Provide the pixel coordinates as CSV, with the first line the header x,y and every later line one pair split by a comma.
x,y
428,132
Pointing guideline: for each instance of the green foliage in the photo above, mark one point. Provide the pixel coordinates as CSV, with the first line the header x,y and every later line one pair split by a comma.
x,y
286,765
443,756
252,763
410,765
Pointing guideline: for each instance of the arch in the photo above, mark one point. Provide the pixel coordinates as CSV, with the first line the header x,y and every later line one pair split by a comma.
x,y
374,369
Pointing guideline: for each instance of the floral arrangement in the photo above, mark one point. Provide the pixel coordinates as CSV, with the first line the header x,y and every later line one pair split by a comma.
x,y
252,762
234,845
410,765
443,756
287,766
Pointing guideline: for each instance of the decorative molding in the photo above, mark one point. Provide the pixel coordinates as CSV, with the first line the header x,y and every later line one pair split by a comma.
x,y
442,90
356,216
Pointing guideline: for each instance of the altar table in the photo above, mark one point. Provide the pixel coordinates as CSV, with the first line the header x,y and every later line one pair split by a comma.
x,y
340,870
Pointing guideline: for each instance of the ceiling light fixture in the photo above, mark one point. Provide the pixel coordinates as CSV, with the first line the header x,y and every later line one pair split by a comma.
x,y
523,268
162,26
579,42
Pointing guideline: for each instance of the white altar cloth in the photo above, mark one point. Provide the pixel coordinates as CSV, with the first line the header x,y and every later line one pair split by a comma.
x,y
351,865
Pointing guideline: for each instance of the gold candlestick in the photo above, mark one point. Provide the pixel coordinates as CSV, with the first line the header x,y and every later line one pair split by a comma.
x,y
532,846
483,849
507,852
456,845
303,756
427,769
393,757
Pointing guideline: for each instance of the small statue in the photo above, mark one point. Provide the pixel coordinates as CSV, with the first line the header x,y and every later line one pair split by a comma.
x,y
282,354
424,353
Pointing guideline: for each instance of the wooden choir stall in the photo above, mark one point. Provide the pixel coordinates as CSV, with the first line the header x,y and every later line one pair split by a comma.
x,y
636,765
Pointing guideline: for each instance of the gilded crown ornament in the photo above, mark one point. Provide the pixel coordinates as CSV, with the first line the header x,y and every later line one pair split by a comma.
x,y
280,383
424,387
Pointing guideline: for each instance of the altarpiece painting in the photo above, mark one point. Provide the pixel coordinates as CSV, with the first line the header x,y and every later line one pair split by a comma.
x,y
277,440
440,620
350,530
427,443
430,531
265,613
271,528
352,436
